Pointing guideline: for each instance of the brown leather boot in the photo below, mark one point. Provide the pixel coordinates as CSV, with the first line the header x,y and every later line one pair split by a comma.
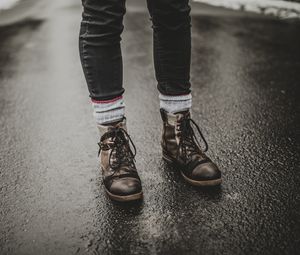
x,y
120,176
180,147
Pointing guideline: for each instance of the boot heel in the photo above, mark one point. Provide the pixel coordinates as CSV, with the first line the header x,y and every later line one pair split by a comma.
x,y
167,158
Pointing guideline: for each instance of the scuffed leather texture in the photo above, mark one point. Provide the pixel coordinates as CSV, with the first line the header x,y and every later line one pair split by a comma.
x,y
125,186
196,166
121,181
205,171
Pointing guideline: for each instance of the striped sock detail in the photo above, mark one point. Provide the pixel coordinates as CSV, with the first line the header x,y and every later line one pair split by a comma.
x,y
108,111
173,104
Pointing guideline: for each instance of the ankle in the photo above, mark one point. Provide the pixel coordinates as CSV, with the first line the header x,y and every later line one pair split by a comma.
x,y
107,112
174,104
106,127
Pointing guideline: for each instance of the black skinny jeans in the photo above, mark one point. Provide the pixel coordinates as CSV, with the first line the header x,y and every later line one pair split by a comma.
x,y
100,51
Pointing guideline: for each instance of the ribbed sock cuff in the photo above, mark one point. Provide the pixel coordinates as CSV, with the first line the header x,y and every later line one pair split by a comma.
x,y
173,104
108,111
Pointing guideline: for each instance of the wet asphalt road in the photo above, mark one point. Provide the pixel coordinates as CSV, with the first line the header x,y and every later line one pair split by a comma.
x,y
245,76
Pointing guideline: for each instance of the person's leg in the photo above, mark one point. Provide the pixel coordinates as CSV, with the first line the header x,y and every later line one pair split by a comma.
x,y
172,56
172,52
101,58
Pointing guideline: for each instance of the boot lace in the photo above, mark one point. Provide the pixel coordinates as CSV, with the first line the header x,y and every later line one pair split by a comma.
x,y
188,142
120,147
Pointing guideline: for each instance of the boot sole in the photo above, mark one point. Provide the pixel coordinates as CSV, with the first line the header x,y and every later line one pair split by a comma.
x,y
202,183
128,198
194,182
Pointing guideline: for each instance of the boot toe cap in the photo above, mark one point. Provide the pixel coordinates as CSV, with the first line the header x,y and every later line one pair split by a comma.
x,y
126,186
206,172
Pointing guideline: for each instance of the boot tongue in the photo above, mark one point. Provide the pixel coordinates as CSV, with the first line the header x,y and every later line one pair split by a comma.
x,y
174,118
182,115
108,127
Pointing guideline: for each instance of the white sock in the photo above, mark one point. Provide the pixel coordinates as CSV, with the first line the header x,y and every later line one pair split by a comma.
x,y
173,104
108,111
